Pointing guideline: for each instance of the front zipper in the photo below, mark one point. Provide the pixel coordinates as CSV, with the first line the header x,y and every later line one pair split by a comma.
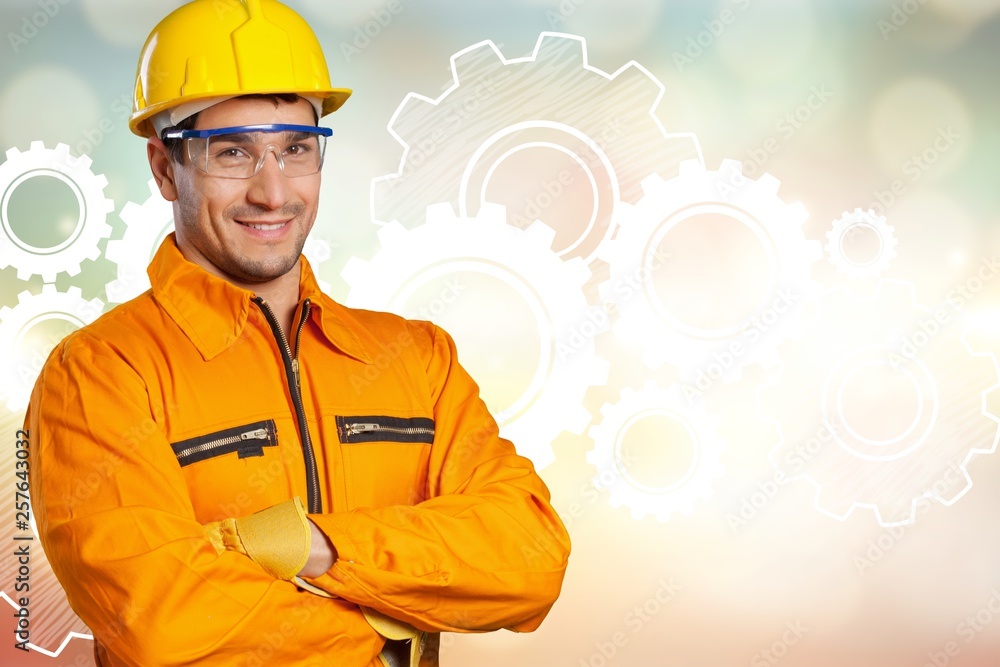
x,y
291,362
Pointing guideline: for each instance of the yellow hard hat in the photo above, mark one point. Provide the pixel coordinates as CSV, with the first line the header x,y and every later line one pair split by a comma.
x,y
223,48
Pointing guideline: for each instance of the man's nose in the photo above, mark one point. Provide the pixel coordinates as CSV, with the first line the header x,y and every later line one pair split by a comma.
x,y
269,187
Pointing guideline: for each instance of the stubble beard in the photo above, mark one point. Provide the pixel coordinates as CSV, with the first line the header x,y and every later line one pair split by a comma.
x,y
240,267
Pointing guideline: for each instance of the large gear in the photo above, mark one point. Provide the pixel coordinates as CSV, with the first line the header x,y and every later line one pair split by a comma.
x,y
552,99
612,462
848,224
91,225
19,370
882,404
634,257
551,288
146,225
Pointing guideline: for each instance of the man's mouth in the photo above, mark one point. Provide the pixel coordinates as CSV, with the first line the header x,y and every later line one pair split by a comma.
x,y
263,226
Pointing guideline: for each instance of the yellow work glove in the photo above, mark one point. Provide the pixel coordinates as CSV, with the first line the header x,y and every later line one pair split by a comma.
x,y
277,538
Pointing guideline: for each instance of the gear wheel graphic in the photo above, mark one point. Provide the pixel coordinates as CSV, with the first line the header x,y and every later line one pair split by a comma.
x,y
551,289
20,370
848,224
91,225
634,256
613,464
146,225
882,404
606,124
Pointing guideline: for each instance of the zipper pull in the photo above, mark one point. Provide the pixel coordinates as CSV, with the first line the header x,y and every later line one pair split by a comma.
x,y
259,434
354,429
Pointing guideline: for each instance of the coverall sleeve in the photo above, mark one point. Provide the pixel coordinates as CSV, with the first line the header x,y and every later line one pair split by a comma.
x,y
484,551
119,530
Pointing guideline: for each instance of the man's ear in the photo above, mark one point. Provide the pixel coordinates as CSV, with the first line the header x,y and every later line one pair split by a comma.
x,y
162,166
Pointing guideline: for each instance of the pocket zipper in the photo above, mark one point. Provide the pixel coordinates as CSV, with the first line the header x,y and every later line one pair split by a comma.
x,y
256,434
357,428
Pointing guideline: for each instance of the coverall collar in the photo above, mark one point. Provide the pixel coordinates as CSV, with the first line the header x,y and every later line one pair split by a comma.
x,y
212,312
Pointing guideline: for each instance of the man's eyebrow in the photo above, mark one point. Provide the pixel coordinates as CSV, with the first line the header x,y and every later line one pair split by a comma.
x,y
237,138
244,137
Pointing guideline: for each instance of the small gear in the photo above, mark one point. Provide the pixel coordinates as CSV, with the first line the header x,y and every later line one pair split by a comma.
x,y
613,464
20,369
606,124
881,404
146,225
551,289
849,223
91,225
634,256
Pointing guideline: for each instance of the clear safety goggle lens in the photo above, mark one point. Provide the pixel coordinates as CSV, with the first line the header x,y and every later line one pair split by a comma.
x,y
240,152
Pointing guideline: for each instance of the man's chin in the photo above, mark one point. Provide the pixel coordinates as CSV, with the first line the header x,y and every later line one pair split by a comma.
x,y
264,270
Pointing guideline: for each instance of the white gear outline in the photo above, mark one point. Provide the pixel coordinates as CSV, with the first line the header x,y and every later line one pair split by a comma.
x,y
754,203
854,472
32,309
523,259
146,225
873,221
613,474
91,226
451,127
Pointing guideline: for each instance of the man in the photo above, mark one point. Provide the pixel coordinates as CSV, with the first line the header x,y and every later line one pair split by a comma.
x,y
209,485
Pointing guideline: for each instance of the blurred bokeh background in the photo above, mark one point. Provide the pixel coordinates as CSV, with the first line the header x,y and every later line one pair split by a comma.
x,y
881,553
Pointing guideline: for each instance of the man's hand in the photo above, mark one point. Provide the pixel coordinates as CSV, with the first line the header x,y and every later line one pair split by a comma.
x,y
322,554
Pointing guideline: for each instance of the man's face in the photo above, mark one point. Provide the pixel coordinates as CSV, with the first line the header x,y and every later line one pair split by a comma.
x,y
215,215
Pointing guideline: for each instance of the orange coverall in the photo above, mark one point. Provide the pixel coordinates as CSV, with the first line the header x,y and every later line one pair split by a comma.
x,y
186,406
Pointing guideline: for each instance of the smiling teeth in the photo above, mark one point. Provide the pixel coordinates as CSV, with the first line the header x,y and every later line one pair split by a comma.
x,y
266,227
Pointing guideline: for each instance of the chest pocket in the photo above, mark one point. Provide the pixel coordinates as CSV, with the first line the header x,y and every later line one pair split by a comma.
x,y
247,440
385,458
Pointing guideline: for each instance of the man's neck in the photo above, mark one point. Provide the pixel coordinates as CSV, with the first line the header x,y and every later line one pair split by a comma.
x,y
281,293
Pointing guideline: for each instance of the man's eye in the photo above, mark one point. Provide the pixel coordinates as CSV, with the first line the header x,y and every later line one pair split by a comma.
x,y
298,150
231,153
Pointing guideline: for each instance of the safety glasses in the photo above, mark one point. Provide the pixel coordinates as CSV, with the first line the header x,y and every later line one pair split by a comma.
x,y
239,152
